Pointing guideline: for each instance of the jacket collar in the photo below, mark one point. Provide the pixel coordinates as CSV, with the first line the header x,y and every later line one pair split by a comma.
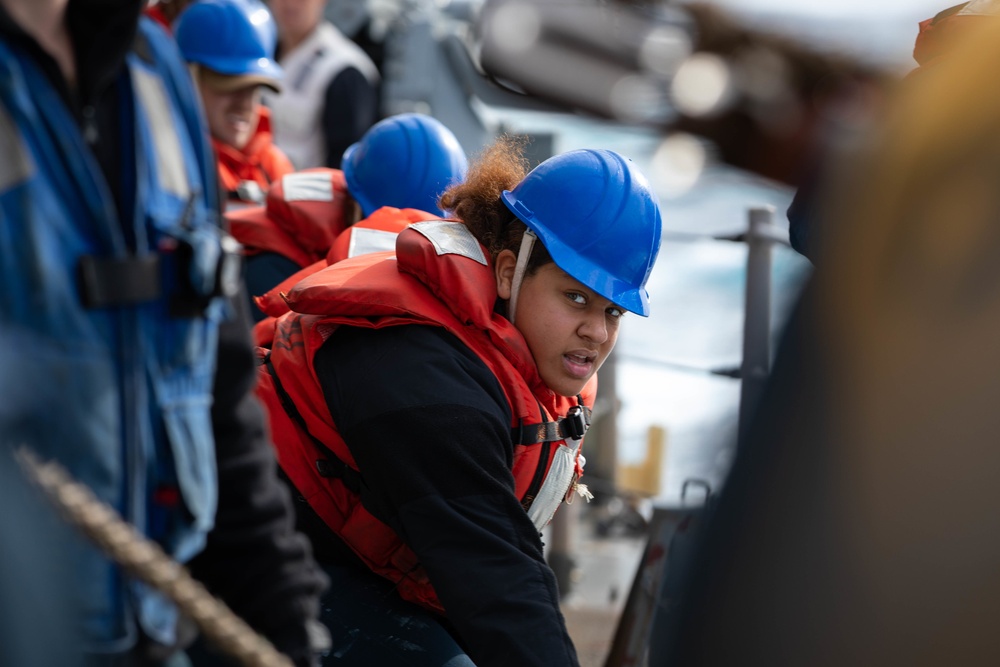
x,y
102,31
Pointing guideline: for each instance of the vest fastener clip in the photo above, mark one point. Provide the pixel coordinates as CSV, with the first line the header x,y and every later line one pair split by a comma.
x,y
574,424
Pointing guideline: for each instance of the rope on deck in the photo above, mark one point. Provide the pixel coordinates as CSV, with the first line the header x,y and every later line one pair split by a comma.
x,y
146,561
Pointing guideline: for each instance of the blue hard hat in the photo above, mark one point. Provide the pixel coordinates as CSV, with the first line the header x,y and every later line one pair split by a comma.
x,y
597,216
263,22
406,161
231,37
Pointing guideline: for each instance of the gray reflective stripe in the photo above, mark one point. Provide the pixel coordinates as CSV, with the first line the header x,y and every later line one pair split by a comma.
x,y
310,186
452,238
364,241
16,164
169,156
556,485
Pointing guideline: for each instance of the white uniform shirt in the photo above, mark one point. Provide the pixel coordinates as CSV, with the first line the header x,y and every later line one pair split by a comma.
x,y
297,112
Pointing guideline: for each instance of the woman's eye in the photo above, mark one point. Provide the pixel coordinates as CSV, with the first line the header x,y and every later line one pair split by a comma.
x,y
615,312
576,297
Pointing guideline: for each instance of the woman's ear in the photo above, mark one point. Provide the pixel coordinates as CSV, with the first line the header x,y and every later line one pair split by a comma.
x,y
503,267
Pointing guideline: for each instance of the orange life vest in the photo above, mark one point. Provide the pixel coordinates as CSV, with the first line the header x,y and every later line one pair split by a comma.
x,y
303,215
259,162
351,242
439,276
375,233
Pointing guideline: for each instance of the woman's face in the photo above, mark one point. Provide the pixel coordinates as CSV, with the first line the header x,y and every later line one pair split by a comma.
x,y
232,116
569,328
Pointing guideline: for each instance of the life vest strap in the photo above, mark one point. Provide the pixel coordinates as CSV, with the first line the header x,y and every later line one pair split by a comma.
x,y
573,426
329,464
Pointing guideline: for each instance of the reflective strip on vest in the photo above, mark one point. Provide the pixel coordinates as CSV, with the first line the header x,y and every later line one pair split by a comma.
x,y
308,186
451,238
364,240
556,485
169,156
16,165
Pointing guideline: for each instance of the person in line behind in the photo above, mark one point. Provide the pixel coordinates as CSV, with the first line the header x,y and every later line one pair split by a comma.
x,y
428,406
391,178
332,92
229,45
123,336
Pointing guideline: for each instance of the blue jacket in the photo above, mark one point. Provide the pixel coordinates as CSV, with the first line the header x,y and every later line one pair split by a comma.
x,y
108,327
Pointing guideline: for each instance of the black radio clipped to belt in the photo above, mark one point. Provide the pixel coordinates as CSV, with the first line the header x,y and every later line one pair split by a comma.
x,y
192,270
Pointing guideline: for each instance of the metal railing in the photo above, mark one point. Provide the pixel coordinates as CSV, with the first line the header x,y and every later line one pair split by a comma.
x,y
632,636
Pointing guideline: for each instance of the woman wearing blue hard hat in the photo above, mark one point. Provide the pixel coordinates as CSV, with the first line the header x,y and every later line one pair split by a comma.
x,y
407,160
229,45
392,177
429,405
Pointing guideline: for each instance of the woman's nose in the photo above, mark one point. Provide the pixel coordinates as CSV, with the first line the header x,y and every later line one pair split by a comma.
x,y
595,327
244,99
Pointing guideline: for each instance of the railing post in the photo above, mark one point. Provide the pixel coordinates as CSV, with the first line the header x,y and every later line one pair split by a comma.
x,y
760,237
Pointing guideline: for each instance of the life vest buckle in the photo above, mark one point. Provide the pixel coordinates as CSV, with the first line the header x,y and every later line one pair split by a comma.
x,y
574,424
250,191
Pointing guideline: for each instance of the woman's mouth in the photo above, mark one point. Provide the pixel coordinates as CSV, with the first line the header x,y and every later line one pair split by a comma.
x,y
238,123
578,365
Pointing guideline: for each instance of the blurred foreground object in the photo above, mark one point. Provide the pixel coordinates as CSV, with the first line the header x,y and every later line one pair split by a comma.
x,y
35,580
765,102
859,525
146,561
936,41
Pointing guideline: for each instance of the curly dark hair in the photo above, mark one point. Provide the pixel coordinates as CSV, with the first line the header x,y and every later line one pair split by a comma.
x,y
476,202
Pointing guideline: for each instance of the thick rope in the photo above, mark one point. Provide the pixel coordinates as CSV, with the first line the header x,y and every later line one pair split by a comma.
x,y
146,561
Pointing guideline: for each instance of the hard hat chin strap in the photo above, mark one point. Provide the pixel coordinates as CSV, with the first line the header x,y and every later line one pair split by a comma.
x,y
523,253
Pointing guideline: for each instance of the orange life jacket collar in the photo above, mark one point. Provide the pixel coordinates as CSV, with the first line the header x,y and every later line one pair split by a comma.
x,y
303,215
259,161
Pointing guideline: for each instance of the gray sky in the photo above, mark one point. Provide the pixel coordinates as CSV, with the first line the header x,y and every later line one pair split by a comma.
x,y
878,31
903,9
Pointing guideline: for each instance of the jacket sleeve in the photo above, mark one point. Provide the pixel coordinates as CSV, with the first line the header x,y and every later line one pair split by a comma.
x,y
428,425
254,560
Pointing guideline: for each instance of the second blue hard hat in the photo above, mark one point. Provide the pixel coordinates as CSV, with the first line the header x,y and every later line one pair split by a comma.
x,y
596,215
405,161
232,37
